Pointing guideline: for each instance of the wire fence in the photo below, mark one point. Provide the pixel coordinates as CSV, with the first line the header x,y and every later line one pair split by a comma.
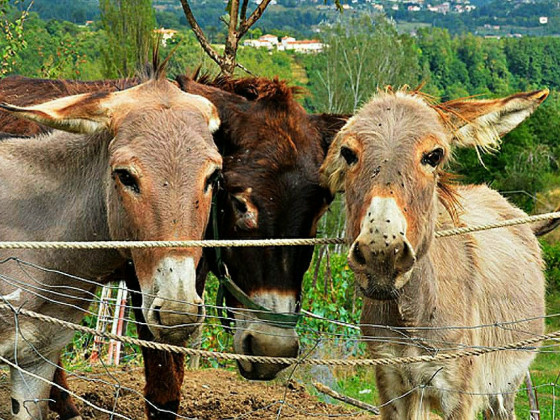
x,y
320,339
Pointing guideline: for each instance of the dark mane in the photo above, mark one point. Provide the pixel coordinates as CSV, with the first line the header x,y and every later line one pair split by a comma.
x,y
157,68
272,91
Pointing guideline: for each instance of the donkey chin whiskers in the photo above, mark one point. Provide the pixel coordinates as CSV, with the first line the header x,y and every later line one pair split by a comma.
x,y
377,292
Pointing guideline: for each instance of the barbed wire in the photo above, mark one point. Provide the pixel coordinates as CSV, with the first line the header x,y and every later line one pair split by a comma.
x,y
403,333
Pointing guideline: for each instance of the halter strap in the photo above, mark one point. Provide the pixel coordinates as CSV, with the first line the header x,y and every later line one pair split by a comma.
x,y
281,320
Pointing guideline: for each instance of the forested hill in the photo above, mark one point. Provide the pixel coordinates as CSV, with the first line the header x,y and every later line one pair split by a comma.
x,y
301,17
76,11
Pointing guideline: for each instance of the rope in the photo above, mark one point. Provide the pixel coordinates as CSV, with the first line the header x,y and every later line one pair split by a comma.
x,y
504,223
253,242
527,345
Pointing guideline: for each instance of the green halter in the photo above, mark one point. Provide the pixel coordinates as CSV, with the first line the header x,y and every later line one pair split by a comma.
x,y
281,320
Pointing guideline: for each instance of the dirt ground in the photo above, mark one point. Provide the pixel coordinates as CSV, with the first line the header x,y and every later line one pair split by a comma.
x,y
208,394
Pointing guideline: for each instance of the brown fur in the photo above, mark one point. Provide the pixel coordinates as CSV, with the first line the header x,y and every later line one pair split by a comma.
x,y
271,146
59,186
416,285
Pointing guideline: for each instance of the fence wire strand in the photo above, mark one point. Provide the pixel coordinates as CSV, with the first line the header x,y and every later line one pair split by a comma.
x,y
83,297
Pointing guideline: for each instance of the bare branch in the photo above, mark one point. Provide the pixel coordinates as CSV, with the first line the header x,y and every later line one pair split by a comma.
x,y
233,16
200,34
348,400
257,13
243,15
232,39
245,69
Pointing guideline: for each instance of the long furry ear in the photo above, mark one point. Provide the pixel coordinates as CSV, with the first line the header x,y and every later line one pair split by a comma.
x,y
332,174
481,123
91,112
328,126
72,113
85,113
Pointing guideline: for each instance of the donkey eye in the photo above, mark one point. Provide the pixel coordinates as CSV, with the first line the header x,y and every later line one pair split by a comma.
x,y
127,180
433,158
213,180
348,155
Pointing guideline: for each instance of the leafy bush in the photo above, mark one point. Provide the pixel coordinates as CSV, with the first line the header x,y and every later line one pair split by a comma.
x,y
551,253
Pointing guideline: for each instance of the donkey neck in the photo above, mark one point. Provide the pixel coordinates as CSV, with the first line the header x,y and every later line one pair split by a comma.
x,y
418,302
54,189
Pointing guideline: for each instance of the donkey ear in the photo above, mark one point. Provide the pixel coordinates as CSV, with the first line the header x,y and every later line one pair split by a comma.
x,y
328,126
207,108
84,113
91,112
481,123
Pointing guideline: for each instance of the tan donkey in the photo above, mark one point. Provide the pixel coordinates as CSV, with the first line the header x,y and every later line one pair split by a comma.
x,y
447,293
139,164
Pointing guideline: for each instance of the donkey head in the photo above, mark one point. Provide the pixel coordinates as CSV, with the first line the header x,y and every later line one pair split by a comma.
x,y
272,153
388,159
162,165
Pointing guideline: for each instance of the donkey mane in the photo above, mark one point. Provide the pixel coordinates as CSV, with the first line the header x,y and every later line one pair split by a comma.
x,y
271,91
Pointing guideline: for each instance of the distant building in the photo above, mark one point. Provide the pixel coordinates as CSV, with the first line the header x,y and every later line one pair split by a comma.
x,y
165,34
443,8
273,39
287,43
543,20
265,41
378,7
287,39
414,8
303,46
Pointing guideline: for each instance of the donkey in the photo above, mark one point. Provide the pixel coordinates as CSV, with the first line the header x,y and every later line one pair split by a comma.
x,y
389,160
272,152
141,165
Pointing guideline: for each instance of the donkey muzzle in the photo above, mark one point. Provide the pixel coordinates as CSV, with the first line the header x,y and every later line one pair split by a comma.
x,y
176,310
381,255
265,341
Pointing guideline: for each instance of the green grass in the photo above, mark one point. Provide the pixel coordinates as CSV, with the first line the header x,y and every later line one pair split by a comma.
x,y
545,371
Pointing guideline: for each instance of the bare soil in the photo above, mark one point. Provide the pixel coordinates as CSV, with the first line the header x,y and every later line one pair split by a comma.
x,y
208,394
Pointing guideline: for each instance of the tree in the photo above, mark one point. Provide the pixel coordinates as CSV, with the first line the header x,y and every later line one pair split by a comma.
x,y
129,25
360,56
13,42
238,22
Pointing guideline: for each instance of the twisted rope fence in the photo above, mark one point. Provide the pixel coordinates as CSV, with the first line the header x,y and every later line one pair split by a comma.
x,y
208,243
436,354
523,345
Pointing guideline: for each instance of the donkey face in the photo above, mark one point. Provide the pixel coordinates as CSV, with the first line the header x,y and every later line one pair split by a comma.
x,y
272,153
389,157
162,164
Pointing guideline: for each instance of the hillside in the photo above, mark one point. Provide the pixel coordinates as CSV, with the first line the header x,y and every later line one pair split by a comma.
x,y
302,17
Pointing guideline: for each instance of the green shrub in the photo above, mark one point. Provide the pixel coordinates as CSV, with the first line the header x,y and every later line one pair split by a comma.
x,y
551,253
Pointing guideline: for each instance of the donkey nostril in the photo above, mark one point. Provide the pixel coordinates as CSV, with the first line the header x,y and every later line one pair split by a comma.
x,y
358,255
248,345
406,259
157,315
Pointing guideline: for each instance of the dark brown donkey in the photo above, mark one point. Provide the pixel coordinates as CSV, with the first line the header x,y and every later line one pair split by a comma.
x,y
389,159
142,166
272,152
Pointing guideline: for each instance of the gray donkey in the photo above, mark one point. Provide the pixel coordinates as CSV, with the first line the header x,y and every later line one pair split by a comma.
x,y
389,160
142,167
